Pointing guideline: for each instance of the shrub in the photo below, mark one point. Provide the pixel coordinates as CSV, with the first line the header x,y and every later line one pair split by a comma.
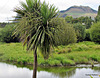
x,y
95,32
80,31
68,19
87,37
6,34
65,34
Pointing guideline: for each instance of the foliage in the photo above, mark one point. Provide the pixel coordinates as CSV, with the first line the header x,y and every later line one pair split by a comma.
x,y
68,19
87,37
6,34
65,34
97,19
30,6
87,21
98,15
98,11
75,20
80,31
34,28
95,32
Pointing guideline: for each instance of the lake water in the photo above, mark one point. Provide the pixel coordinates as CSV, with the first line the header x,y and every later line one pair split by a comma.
x,y
13,71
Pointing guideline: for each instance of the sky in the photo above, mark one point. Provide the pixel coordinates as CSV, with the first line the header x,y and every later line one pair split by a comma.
x,y
7,6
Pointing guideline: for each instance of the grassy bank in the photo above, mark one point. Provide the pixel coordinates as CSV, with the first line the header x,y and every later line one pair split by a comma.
x,y
78,53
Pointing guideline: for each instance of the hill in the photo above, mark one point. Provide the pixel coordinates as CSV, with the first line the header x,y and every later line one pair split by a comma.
x,y
77,11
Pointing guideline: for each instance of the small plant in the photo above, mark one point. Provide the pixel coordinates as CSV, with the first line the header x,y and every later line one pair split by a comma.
x,y
69,49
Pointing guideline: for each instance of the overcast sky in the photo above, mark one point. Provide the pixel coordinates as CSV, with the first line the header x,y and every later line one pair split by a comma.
x,y
7,6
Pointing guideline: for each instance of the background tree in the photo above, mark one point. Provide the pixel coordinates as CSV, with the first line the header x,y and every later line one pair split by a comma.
x,y
98,15
98,11
87,37
68,19
75,20
6,34
65,33
95,32
97,19
86,21
34,29
80,31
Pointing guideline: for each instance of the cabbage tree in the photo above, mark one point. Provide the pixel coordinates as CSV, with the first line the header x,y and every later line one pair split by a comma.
x,y
34,29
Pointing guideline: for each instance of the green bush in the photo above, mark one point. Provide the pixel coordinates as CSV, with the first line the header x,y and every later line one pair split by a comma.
x,y
87,37
97,19
95,32
6,34
87,21
65,33
68,19
80,31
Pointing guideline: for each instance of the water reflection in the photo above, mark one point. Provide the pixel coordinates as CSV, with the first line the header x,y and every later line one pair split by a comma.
x,y
60,72
66,74
12,71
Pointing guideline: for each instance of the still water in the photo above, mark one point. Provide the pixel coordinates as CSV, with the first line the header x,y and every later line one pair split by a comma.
x,y
13,71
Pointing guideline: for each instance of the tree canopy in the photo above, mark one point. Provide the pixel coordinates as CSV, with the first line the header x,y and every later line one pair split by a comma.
x,y
33,27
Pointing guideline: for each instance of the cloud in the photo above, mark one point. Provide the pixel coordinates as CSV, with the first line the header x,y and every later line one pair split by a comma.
x,y
64,4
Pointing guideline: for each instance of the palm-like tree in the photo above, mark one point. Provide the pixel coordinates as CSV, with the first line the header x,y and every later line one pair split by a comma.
x,y
34,29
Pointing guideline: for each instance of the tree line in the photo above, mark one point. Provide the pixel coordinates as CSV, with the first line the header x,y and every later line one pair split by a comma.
x,y
71,29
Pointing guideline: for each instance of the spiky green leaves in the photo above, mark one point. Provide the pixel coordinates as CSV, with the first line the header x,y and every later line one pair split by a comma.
x,y
30,6
48,12
34,28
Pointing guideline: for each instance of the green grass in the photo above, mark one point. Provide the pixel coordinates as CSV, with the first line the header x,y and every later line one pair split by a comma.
x,y
78,53
1,29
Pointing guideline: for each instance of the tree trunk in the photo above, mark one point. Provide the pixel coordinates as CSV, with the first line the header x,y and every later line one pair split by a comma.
x,y
35,64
